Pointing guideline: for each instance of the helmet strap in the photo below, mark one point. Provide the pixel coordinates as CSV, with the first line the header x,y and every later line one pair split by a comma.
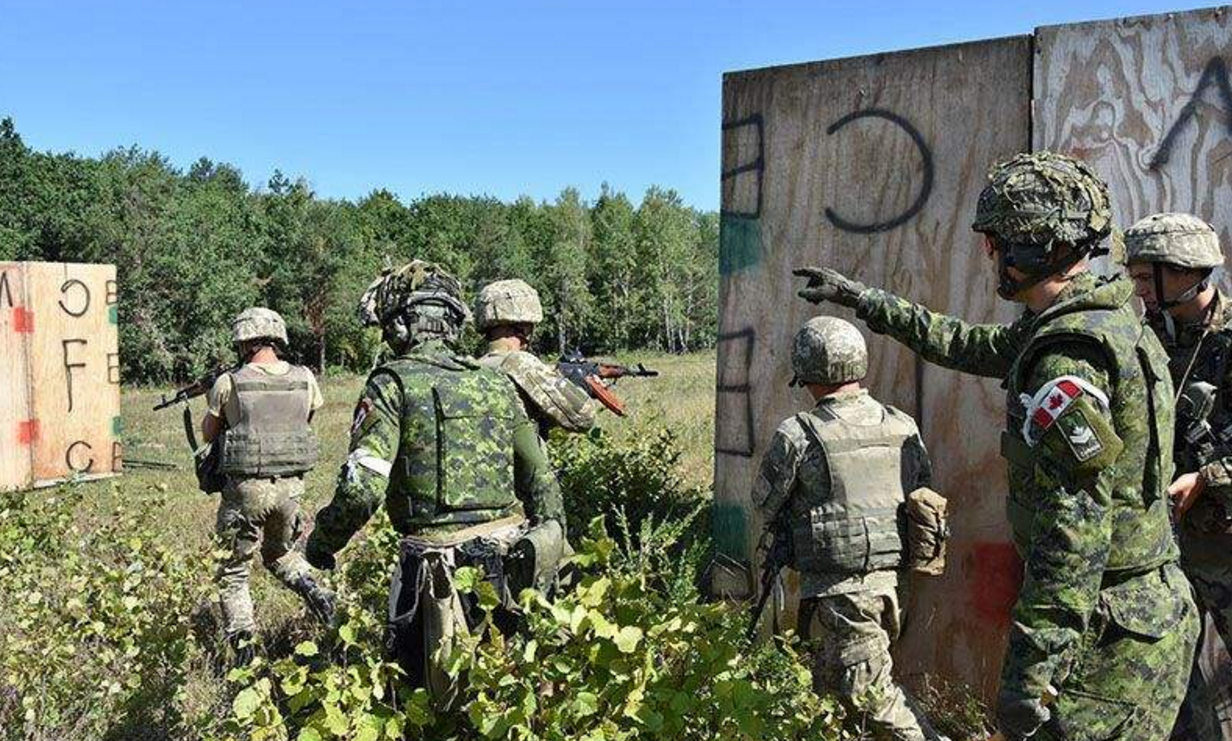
x,y
1185,297
1009,286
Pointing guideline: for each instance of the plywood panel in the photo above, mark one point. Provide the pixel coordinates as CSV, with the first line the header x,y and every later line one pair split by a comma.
x,y
1148,102
16,429
74,364
872,165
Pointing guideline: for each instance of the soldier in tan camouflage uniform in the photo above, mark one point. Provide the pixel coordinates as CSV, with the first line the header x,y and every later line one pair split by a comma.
x,y
259,415
844,469
506,312
1171,258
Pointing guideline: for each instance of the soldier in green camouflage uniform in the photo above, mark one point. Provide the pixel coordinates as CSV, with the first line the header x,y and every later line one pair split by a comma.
x,y
258,415
506,312
1104,627
1171,258
446,445
843,470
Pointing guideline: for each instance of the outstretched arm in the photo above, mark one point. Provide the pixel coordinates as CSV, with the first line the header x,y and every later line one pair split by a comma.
x,y
979,349
365,474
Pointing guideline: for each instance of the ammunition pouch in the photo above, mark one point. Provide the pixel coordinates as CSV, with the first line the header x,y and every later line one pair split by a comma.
x,y
534,559
928,529
206,460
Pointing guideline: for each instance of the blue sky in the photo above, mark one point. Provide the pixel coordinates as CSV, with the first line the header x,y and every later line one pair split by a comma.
x,y
484,97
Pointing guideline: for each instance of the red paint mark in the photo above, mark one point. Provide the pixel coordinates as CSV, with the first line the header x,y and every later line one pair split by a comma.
x,y
998,576
28,431
23,320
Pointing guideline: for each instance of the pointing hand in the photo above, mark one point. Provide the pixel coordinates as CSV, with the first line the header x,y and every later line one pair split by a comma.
x,y
829,285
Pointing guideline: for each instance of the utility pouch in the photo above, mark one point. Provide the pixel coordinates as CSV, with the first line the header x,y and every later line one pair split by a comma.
x,y
206,460
928,529
535,558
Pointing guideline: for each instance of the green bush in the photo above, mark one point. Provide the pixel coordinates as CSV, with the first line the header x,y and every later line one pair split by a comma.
x,y
96,634
102,637
601,478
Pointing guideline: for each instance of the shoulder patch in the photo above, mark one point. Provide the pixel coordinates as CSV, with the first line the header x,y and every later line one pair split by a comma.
x,y
1048,405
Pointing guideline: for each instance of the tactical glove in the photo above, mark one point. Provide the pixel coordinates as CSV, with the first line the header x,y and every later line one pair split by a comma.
x,y
1020,716
829,285
318,557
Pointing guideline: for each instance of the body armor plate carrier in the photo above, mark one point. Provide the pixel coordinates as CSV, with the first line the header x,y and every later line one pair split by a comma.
x,y
859,526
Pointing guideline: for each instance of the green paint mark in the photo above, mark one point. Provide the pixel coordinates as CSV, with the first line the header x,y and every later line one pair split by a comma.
x,y
739,243
113,315
117,425
730,528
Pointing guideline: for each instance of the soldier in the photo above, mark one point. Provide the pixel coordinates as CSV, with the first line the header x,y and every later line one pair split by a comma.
x,y
445,443
259,417
1104,626
1171,258
506,312
843,471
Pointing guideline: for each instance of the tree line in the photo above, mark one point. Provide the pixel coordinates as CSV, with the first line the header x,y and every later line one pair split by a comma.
x,y
194,247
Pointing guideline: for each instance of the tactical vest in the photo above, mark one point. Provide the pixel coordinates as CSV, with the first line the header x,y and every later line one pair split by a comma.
x,y
272,436
857,524
1142,415
455,461
1205,528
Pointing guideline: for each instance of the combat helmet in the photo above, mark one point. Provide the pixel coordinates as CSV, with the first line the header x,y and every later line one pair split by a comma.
x,y
414,302
259,323
507,302
828,350
1178,240
1036,204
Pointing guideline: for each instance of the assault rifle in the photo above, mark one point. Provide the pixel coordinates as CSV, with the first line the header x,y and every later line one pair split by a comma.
x,y
590,375
196,388
1193,409
776,544
205,458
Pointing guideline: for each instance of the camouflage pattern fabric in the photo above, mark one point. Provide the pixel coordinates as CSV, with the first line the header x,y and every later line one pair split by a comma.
x,y
794,472
852,633
1182,240
854,618
507,302
1020,203
261,513
828,350
550,398
1103,615
1202,353
259,323
492,453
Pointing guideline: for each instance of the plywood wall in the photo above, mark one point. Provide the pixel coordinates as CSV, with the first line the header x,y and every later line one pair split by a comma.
x,y
1148,102
872,165
60,409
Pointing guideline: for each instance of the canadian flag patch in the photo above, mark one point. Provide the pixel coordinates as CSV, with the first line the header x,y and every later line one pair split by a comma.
x,y
1050,402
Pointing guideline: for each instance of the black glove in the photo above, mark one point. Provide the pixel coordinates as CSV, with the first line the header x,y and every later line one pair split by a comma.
x,y
318,557
1019,716
829,285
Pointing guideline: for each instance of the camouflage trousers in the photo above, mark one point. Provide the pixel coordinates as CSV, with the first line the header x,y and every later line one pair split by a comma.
x,y
1210,572
1129,676
853,633
260,513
